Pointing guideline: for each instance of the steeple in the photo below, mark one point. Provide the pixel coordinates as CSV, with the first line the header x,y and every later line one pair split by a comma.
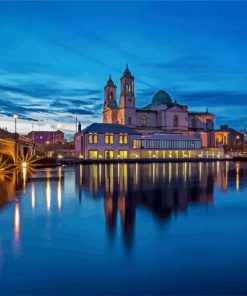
x,y
110,94
127,72
127,99
110,82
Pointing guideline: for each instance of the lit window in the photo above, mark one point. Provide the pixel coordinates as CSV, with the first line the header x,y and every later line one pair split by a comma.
x,y
120,138
93,138
109,138
123,138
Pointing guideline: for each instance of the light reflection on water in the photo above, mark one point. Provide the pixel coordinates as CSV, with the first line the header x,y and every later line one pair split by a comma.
x,y
70,215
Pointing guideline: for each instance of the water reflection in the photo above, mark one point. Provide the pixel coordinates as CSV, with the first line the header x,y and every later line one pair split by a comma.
x,y
161,189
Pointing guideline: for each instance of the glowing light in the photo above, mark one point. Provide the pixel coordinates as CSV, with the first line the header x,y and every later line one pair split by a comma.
x,y
24,164
60,156
17,222
33,196
15,116
59,194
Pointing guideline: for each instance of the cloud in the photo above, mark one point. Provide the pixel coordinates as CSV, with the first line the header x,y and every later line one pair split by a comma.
x,y
80,111
193,62
214,97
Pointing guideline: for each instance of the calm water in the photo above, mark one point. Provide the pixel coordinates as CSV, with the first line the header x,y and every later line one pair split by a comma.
x,y
119,229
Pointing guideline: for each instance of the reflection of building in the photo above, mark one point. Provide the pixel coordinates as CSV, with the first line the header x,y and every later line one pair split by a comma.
x,y
162,188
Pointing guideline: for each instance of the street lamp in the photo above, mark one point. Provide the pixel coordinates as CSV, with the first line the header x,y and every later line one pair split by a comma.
x,y
15,118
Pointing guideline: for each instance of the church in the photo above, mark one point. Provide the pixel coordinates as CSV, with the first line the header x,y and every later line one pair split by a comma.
x,y
162,115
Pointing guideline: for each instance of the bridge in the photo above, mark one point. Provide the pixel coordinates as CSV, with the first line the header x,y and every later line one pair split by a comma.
x,y
13,145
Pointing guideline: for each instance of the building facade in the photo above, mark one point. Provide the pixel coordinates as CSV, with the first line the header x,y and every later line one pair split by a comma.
x,y
114,141
47,137
162,115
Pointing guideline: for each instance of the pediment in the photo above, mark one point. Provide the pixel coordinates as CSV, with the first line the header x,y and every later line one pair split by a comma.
x,y
175,108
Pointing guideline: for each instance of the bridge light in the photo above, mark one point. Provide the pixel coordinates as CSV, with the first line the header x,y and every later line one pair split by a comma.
x,y
24,164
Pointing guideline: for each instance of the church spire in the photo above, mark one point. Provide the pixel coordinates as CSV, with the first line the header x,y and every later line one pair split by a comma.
x,y
127,72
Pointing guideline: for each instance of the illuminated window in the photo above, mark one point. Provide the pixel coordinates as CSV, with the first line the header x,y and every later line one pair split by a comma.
x,y
123,153
120,138
93,154
123,138
109,154
144,120
109,138
93,138
175,121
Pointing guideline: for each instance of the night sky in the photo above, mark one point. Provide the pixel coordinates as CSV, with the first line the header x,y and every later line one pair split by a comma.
x,y
55,58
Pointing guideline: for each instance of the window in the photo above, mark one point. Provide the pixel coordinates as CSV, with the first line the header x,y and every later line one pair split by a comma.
x,y
93,138
93,154
123,138
109,154
123,153
109,138
127,88
129,120
144,120
175,121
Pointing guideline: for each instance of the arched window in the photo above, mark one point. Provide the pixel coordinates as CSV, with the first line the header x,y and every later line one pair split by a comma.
x,y
175,121
127,88
144,120
129,120
194,123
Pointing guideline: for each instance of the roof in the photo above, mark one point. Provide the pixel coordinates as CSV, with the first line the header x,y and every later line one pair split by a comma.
x,y
229,130
171,137
102,128
146,110
110,82
127,72
45,132
160,98
7,135
201,113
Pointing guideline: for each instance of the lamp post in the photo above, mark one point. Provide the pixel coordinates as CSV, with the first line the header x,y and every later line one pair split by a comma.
x,y
15,119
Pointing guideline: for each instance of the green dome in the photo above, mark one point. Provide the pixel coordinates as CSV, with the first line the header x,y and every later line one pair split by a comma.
x,y
161,97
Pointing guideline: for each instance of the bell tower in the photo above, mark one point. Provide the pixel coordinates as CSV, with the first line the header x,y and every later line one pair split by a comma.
x,y
127,110
110,103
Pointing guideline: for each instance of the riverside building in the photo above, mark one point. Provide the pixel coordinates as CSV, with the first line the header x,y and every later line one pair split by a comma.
x,y
162,129
115,141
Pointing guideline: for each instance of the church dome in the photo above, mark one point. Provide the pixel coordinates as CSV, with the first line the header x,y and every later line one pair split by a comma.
x,y
161,97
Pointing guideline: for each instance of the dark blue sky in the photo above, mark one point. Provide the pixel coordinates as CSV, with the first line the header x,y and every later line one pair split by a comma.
x,y
55,58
